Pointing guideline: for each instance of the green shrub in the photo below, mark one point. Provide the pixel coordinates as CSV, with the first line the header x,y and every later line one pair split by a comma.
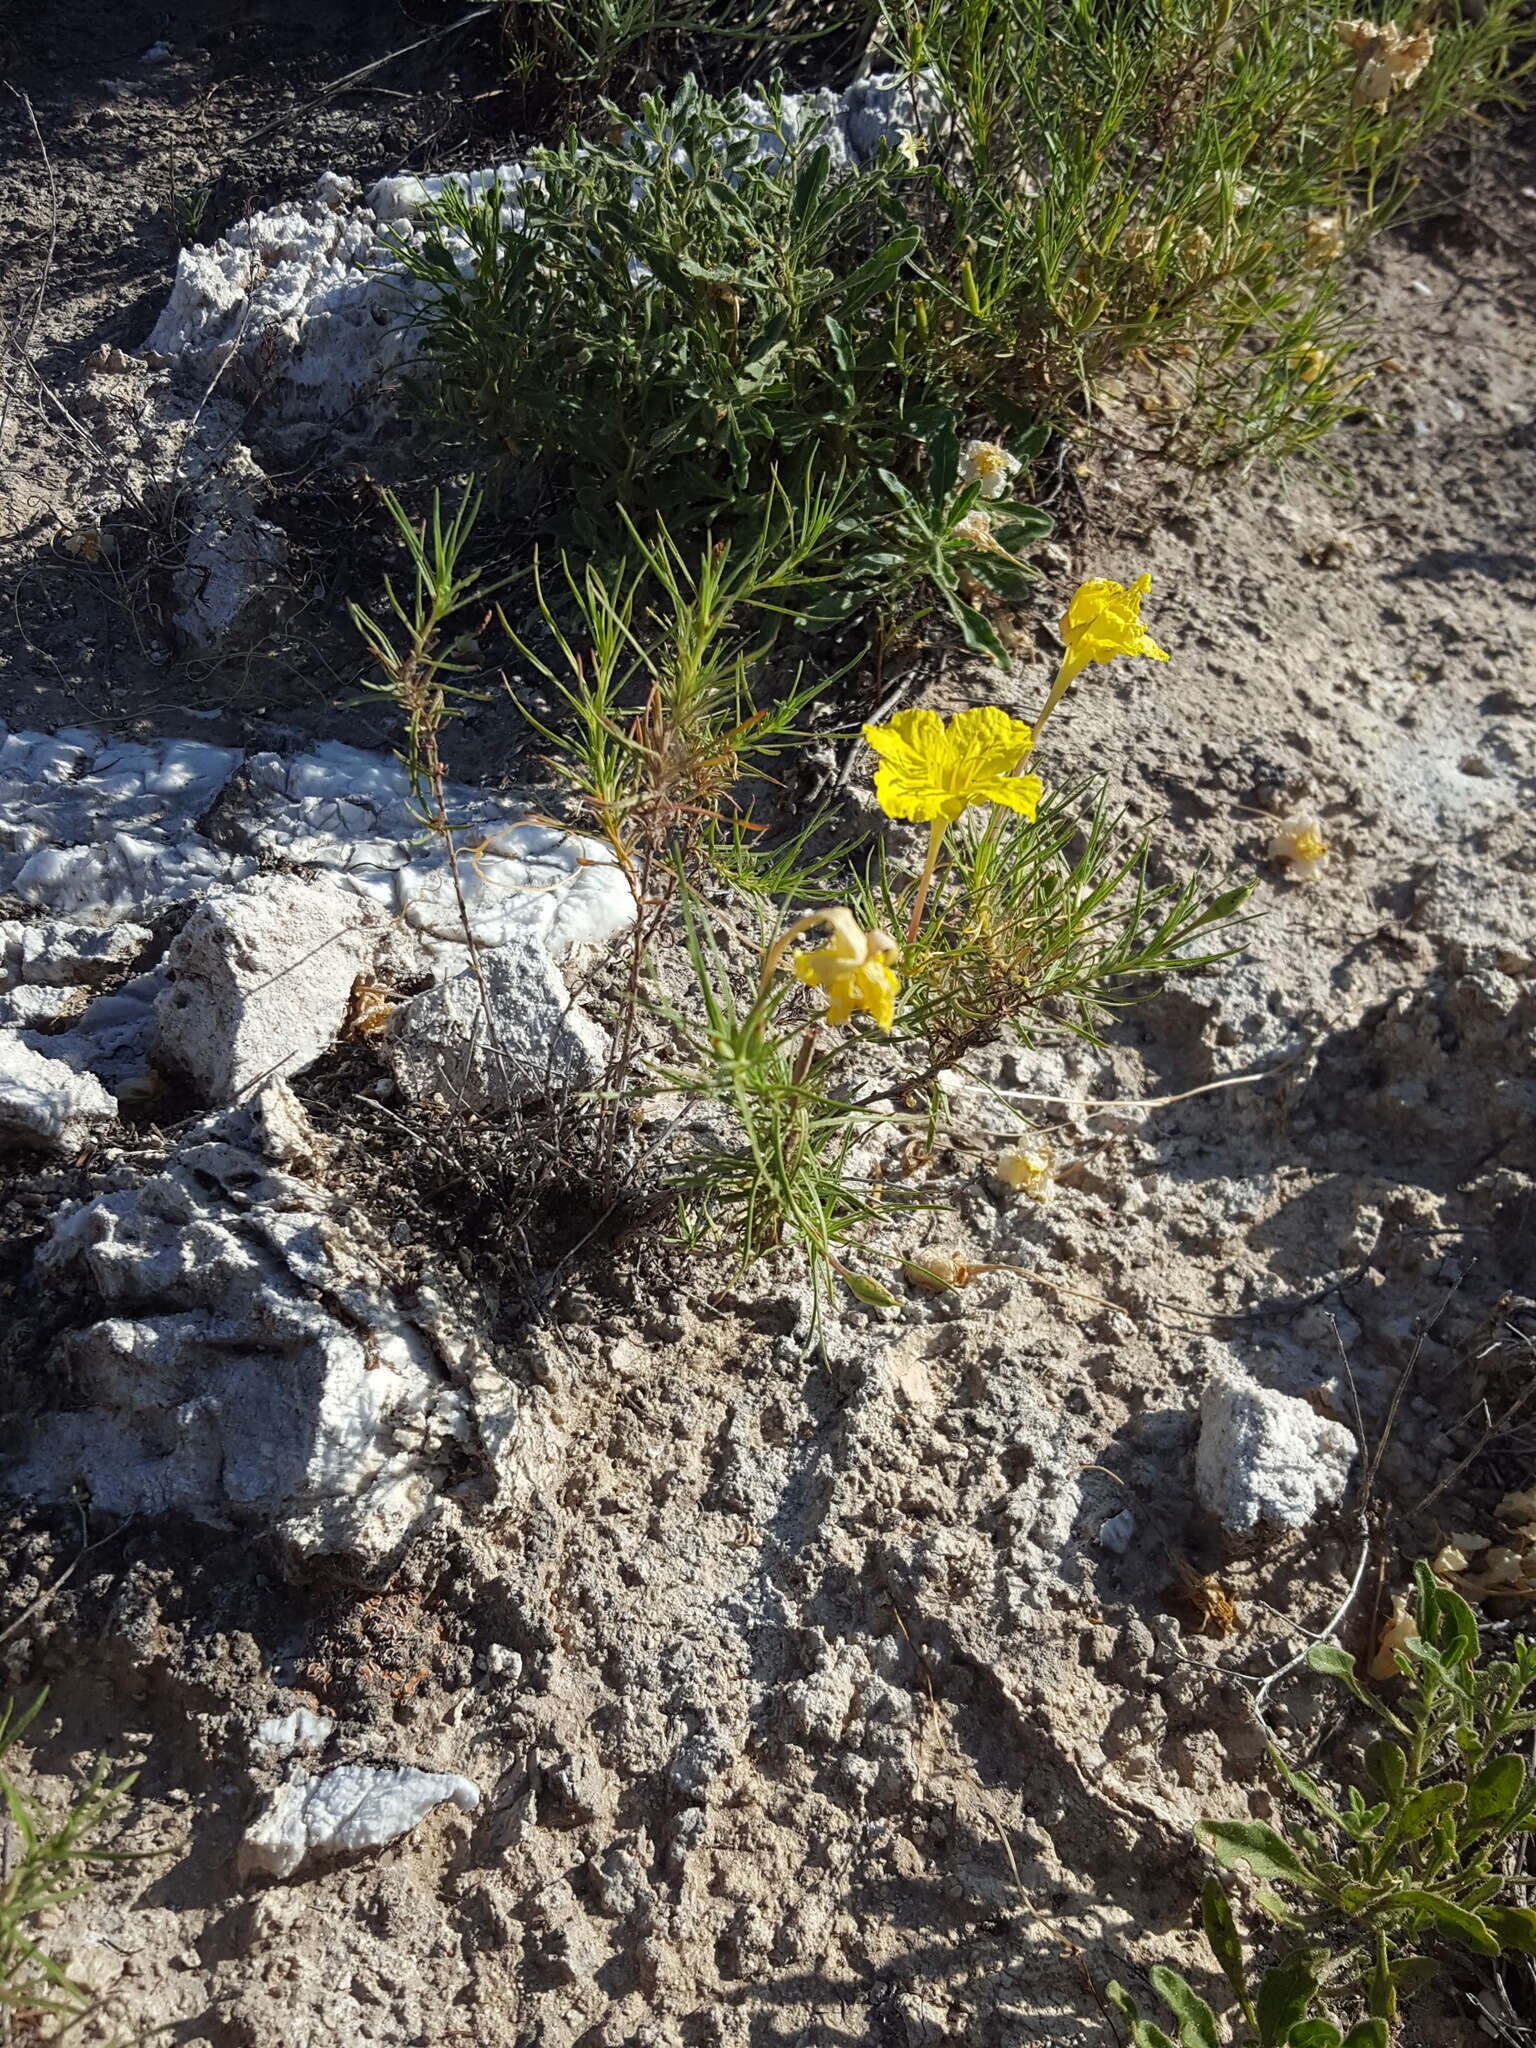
x,y
1422,1851
1169,185
680,329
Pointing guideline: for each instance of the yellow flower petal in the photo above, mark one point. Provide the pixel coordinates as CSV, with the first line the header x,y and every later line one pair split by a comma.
x,y
1021,793
1104,620
929,771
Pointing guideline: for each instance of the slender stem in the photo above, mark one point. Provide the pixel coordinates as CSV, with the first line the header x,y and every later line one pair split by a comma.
x,y
936,833
1064,675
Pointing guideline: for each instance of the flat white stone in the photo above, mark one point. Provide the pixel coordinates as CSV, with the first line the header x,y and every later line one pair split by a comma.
x,y
347,1810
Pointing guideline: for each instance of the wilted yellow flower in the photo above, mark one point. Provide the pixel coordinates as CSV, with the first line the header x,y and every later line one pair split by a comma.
x,y
929,772
990,465
1301,842
854,970
1325,238
1309,364
1195,246
937,1272
1397,1631
1387,58
1028,1168
975,529
1102,621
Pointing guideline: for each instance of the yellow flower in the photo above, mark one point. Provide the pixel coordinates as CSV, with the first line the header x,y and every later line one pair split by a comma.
x,y
853,969
930,773
909,148
1309,364
1102,621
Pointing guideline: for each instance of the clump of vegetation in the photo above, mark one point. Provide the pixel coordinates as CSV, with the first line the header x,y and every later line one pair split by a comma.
x,y
1423,1850
1163,190
1086,204
1018,922
45,1866
688,328
1029,914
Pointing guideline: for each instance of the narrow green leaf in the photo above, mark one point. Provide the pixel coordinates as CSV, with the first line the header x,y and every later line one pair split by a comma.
x,y
1515,1927
878,273
943,460
842,350
977,631
808,185
1197,2023
1221,1933
1420,1811
1388,1767
1371,2033
1267,1855
1446,1622
1143,2033
1410,1974
1313,2034
1446,1918
1274,1907
1331,1661
1493,1793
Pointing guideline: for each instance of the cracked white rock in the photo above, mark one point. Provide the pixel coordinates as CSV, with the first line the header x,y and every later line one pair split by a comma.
x,y
45,1104
347,1810
250,1365
106,837
97,831
259,979
1266,1458
533,1042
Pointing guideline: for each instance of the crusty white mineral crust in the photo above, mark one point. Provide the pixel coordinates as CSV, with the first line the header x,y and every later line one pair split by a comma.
x,y
352,1808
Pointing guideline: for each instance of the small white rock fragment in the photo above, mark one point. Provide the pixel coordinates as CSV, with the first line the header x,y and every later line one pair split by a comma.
x,y
1117,1532
1266,1458
43,1103
54,953
349,1809
302,1729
